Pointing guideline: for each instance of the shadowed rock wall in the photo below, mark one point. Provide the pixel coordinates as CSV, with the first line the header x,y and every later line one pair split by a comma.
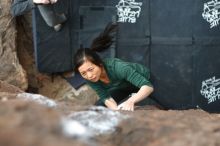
x,y
10,69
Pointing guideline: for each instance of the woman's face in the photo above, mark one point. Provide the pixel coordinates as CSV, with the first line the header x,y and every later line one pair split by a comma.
x,y
90,71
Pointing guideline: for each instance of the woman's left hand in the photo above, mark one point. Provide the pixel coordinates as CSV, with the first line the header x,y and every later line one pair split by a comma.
x,y
128,105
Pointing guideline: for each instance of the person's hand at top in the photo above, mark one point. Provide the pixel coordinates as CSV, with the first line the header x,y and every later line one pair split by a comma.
x,y
44,1
143,92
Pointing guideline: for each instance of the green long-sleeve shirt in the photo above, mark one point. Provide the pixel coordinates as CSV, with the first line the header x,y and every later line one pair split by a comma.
x,y
122,75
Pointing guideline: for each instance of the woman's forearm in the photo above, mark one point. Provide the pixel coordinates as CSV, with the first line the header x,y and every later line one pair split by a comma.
x,y
110,103
144,92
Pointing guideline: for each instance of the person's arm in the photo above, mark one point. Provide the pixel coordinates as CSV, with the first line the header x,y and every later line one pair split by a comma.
x,y
110,103
144,92
137,75
20,7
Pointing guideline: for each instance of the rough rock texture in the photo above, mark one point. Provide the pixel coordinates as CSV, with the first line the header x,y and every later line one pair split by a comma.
x,y
60,89
171,128
25,51
8,91
5,87
10,69
27,123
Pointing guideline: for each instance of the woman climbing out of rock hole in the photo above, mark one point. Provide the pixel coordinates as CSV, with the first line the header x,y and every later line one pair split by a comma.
x,y
112,79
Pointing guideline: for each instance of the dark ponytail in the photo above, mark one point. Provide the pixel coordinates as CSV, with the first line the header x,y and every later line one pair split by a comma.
x,y
99,44
105,39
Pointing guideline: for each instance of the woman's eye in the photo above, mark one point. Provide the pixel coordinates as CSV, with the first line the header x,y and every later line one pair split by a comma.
x,y
83,74
91,69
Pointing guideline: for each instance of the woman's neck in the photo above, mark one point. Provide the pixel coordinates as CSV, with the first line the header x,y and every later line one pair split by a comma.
x,y
104,76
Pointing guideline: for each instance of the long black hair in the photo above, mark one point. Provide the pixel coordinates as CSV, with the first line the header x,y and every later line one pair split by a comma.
x,y
100,43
